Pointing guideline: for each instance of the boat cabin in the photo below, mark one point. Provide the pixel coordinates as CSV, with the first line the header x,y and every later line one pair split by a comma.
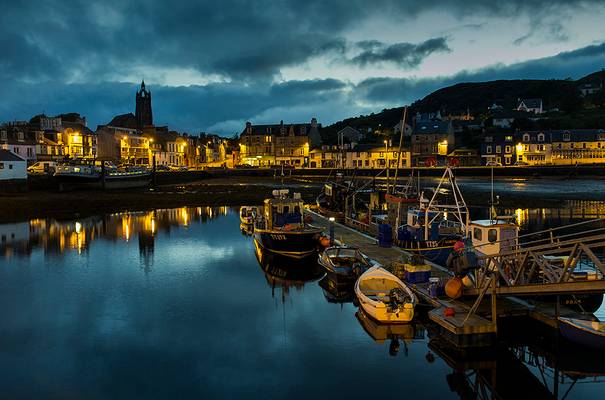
x,y
284,212
248,211
439,225
493,236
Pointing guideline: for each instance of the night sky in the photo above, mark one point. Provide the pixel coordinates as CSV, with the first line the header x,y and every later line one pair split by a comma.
x,y
211,66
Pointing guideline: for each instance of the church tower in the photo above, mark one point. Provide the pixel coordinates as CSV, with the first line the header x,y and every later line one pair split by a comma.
x,y
143,107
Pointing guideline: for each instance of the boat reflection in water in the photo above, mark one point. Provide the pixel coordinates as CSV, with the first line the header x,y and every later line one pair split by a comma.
x,y
395,333
285,272
337,292
528,370
247,229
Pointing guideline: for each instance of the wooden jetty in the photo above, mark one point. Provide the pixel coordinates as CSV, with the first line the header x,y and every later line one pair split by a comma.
x,y
474,322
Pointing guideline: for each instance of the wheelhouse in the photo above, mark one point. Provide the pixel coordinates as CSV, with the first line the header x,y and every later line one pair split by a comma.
x,y
491,237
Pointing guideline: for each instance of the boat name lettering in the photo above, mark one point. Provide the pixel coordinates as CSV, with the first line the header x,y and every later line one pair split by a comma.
x,y
278,237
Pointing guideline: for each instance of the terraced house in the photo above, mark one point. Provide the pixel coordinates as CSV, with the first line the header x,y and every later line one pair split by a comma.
x,y
579,146
287,144
534,148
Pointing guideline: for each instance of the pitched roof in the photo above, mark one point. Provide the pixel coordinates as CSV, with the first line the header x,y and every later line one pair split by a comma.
x,y
6,155
124,121
531,103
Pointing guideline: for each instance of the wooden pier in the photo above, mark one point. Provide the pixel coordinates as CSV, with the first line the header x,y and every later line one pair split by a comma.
x,y
474,322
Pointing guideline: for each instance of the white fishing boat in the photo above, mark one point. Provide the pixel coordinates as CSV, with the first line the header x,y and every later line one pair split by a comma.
x,y
385,297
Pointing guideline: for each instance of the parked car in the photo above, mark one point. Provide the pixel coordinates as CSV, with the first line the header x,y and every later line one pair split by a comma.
x,y
162,167
521,164
42,167
244,166
493,164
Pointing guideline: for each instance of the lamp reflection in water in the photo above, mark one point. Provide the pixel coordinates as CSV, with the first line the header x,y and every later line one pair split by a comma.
x,y
56,237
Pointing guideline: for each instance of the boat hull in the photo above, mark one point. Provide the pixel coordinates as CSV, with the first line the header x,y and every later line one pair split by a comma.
x,y
293,244
436,251
95,181
578,332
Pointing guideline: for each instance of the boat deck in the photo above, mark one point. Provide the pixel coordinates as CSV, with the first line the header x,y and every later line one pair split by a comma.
x,y
467,327
463,331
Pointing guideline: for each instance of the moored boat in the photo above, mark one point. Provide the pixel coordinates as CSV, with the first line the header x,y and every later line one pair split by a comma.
x,y
80,174
584,332
282,228
385,297
344,262
247,213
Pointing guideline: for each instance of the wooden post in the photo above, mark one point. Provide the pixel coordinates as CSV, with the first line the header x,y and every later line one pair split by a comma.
x,y
494,305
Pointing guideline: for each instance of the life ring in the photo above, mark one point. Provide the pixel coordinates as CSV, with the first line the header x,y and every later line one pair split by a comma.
x,y
288,227
431,162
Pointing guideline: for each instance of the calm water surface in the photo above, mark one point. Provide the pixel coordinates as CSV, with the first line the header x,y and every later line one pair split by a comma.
x,y
175,304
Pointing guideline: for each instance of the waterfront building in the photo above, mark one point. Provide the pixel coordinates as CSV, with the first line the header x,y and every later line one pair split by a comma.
x,y
431,140
12,167
498,148
534,148
288,144
361,156
579,146
19,139
123,145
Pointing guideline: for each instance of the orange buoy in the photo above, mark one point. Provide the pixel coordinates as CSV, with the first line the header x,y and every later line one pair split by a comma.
x,y
453,288
324,241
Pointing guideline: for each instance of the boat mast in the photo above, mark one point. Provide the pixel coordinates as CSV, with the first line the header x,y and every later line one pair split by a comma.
x,y
405,111
459,208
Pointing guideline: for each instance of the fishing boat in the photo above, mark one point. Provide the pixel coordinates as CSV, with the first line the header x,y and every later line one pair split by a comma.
x,y
434,226
344,262
247,213
588,333
385,297
282,229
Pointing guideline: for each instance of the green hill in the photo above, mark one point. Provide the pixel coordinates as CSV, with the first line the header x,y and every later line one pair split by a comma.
x,y
476,97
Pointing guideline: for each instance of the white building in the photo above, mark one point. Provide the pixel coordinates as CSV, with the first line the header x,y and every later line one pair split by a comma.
x,y
12,167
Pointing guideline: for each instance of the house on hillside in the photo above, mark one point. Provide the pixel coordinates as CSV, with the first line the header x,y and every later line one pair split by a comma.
x,y
590,88
530,105
349,133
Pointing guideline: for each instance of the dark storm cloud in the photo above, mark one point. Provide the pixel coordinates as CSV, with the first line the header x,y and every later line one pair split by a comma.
x,y
405,55
79,40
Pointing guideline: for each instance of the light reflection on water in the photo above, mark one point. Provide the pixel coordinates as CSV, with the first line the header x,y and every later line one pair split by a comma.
x,y
178,303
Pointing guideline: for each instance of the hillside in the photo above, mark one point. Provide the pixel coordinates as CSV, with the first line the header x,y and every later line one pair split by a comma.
x,y
476,97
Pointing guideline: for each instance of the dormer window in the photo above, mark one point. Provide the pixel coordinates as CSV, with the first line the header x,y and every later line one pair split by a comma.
x,y
488,139
3,135
20,136
541,137
567,136
508,138
526,137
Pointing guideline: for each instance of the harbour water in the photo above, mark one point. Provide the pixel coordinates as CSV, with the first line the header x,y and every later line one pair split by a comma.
x,y
175,304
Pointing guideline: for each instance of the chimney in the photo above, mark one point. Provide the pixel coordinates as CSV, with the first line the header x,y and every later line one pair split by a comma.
x,y
248,127
313,122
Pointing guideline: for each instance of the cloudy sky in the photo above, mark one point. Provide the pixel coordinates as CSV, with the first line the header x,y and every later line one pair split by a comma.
x,y
212,65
